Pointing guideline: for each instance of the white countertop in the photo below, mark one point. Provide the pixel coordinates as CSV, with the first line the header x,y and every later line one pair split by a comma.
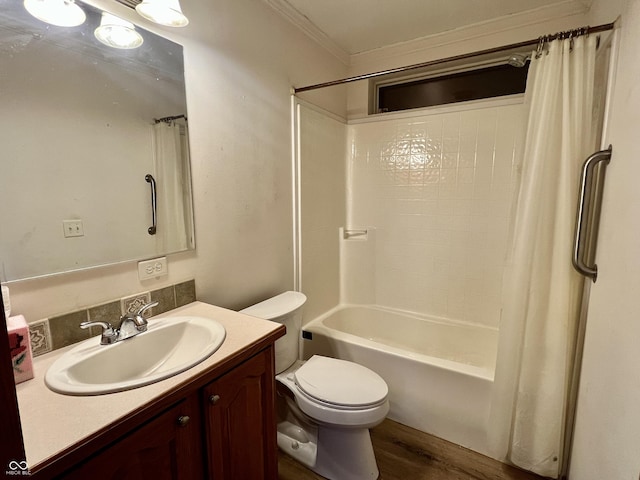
x,y
52,422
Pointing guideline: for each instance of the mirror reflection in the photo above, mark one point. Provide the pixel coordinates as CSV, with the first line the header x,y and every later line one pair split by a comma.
x,y
84,127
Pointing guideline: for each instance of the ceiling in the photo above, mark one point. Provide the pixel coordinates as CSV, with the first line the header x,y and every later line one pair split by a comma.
x,y
360,25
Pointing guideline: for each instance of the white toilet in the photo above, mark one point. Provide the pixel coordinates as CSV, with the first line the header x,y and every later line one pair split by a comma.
x,y
325,405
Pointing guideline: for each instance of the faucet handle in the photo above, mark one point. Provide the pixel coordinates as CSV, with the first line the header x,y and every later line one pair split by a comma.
x,y
109,335
146,307
104,325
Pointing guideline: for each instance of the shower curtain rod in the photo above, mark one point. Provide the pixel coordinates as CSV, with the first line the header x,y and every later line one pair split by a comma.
x,y
169,119
464,56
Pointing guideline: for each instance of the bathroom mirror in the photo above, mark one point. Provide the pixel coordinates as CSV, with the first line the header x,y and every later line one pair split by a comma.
x,y
79,138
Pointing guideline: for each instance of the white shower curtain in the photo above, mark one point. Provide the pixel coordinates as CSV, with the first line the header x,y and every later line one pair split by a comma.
x,y
542,292
172,177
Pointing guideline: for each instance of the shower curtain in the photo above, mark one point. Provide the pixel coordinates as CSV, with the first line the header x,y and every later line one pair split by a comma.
x,y
172,174
542,292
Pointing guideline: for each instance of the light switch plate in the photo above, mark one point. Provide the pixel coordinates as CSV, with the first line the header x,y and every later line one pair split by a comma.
x,y
154,268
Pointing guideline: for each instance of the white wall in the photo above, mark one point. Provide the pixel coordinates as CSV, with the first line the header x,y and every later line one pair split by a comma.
x,y
607,435
241,59
239,86
438,186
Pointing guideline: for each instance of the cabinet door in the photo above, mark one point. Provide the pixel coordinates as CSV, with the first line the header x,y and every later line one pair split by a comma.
x,y
167,447
240,422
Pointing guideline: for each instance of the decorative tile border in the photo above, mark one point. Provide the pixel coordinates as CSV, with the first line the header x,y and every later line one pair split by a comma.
x,y
62,330
132,304
40,336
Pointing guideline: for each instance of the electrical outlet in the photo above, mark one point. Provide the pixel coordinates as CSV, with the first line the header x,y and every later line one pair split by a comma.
x,y
73,228
156,267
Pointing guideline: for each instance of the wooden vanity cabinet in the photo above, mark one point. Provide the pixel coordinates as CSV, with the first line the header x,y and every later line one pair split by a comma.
x,y
224,429
239,419
167,447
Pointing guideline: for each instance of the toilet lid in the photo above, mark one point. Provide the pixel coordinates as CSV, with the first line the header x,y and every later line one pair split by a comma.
x,y
340,382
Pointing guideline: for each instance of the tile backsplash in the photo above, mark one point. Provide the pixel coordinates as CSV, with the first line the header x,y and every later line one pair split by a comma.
x,y
62,330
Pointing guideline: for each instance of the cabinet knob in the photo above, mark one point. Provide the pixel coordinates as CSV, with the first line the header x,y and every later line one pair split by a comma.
x,y
213,399
183,420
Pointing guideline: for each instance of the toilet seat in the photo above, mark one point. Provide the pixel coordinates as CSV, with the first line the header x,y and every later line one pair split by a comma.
x,y
366,407
340,383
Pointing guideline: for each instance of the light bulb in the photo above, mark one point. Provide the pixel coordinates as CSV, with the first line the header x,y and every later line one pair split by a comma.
x,y
163,12
117,33
62,13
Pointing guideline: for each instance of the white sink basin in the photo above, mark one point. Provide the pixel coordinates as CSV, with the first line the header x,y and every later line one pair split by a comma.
x,y
169,346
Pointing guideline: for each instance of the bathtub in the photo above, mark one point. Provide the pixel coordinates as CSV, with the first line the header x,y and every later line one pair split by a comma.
x,y
439,372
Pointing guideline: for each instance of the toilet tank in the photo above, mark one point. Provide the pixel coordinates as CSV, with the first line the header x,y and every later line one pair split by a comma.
x,y
285,308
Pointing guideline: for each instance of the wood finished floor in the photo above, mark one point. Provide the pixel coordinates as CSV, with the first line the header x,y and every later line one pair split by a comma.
x,y
404,453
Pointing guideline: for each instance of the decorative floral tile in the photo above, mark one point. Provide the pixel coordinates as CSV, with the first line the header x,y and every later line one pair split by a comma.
x,y
135,302
40,336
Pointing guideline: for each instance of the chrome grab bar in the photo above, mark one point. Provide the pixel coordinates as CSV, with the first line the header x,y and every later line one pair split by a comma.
x,y
585,208
154,205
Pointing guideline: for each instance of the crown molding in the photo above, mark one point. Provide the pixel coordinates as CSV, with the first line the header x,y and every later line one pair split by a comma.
x,y
490,27
308,28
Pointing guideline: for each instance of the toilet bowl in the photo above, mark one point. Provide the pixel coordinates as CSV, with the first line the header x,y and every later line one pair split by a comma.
x,y
325,405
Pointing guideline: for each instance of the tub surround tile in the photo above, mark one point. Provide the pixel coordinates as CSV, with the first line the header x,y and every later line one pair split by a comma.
x,y
323,172
437,180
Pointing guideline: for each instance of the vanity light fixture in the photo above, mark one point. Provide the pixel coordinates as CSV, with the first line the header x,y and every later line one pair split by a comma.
x,y
117,33
62,13
163,12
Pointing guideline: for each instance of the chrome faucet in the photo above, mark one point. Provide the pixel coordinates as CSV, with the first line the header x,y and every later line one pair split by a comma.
x,y
130,326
